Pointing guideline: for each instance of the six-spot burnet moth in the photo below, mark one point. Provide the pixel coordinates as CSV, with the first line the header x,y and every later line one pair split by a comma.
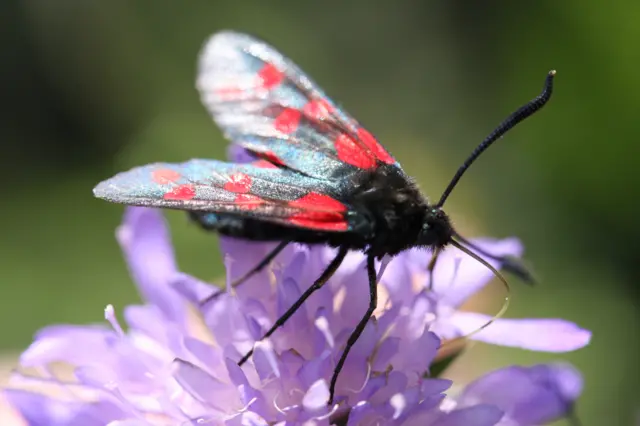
x,y
316,175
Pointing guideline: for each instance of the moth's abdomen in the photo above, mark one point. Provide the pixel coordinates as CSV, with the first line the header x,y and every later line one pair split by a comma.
x,y
235,226
258,230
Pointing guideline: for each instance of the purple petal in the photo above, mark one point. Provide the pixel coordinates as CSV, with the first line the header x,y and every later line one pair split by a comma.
x,y
146,244
353,378
386,351
478,415
60,343
129,422
203,386
419,317
40,410
458,276
10,416
191,288
396,383
247,419
564,378
316,397
205,354
228,322
418,354
356,286
354,262
245,392
152,332
399,403
365,344
240,257
434,387
361,412
398,278
311,370
147,319
548,335
528,396
324,337
266,361
287,294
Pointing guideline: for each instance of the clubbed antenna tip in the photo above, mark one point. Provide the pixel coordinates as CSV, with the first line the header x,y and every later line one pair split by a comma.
x,y
514,118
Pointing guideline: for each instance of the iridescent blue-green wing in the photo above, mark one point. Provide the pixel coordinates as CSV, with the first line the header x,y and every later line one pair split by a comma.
x,y
266,104
259,190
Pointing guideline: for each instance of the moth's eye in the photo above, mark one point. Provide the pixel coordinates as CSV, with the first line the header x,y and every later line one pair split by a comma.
x,y
425,226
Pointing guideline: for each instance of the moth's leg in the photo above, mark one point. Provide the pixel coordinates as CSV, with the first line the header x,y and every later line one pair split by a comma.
x,y
324,277
260,266
355,334
263,263
508,263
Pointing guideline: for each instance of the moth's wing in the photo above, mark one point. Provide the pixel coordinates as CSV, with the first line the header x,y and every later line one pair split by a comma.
x,y
266,104
268,193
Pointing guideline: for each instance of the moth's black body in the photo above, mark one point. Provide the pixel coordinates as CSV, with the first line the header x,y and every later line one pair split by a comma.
x,y
389,215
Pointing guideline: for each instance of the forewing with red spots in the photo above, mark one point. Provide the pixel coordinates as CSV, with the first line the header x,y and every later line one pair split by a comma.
x,y
259,190
267,105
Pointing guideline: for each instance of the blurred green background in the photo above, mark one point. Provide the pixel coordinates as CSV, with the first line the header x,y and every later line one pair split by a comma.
x,y
92,87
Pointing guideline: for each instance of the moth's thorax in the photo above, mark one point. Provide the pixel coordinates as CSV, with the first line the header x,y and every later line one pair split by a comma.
x,y
395,210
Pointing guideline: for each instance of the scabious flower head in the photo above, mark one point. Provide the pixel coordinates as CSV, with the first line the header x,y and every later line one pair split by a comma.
x,y
456,278
176,361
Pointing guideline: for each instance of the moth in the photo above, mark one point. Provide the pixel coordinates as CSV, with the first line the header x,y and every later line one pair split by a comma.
x,y
316,176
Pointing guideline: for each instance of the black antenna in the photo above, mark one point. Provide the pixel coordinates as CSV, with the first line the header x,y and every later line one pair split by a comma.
x,y
520,114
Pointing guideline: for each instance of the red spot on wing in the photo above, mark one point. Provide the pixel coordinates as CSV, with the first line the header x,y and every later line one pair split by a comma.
x,y
228,93
239,183
375,147
311,223
272,157
270,76
321,212
314,200
351,153
181,193
248,201
317,109
264,164
165,176
287,121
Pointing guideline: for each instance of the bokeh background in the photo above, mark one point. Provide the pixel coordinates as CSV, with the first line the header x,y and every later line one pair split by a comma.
x,y
90,88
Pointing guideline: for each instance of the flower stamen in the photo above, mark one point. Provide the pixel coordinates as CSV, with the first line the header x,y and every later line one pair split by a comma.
x,y
110,316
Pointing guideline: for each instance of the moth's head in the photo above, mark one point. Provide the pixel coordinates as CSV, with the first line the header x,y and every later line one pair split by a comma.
x,y
436,228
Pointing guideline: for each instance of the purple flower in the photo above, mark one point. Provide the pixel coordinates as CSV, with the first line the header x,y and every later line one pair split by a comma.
x,y
176,363
456,277
527,395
